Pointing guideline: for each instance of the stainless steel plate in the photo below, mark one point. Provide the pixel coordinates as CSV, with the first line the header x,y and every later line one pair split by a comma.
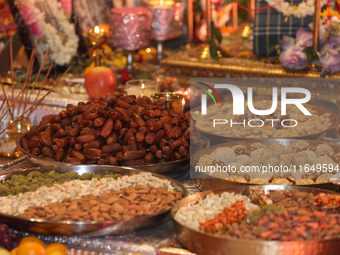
x,y
336,179
218,139
161,168
207,244
87,229
206,182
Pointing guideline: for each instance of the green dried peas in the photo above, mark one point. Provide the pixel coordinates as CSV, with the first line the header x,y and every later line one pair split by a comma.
x,y
19,183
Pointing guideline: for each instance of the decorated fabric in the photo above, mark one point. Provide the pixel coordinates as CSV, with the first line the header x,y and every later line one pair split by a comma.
x,y
7,25
270,26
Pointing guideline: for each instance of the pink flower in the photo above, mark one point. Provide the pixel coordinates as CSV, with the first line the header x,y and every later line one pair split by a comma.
x,y
330,57
304,39
294,58
286,42
331,62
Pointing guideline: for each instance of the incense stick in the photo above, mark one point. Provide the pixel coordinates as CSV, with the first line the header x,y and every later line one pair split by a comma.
x,y
10,112
29,81
36,79
2,104
13,102
42,83
39,101
29,68
68,69
12,73
18,118
56,83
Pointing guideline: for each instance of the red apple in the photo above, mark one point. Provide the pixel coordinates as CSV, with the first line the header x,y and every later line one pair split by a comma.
x,y
99,82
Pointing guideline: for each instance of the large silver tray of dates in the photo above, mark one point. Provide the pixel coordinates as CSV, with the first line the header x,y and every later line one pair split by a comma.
x,y
116,130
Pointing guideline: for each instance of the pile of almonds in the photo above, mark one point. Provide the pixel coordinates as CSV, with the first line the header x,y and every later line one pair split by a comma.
x,y
124,204
114,130
293,200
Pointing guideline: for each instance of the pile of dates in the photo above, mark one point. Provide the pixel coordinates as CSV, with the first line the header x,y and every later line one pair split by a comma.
x,y
114,130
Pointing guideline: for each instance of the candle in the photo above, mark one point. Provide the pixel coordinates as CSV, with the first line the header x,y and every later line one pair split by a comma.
x,y
141,88
132,27
105,29
162,3
172,100
98,36
166,19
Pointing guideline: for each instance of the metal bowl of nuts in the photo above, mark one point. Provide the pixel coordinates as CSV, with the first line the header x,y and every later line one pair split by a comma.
x,y
270,161
116,130
86,200
263,220
220,125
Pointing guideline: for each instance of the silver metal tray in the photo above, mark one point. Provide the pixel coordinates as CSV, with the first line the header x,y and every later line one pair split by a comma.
x,y
335,179
208,244
218,139
87,229
161,168
206,182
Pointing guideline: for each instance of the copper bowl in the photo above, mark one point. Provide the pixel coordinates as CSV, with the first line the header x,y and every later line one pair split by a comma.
x,y
208,244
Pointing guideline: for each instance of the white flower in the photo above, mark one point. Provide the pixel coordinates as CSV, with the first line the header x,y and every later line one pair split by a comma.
x,y
61,53
303,9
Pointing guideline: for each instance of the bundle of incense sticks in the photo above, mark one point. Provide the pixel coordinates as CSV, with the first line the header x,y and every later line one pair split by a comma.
x,y
24,96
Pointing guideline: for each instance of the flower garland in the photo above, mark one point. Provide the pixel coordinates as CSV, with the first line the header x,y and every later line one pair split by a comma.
x,y
66,5
61,52
330,24
302,10
30,19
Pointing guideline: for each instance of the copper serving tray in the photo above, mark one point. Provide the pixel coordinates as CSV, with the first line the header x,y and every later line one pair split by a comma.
x,y
209,244
207,182
160,168
87,229
217,139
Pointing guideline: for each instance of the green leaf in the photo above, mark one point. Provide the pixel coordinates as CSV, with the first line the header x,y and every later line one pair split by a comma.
x,y
213,49
198,6
218,35
212,27
215,33
311,54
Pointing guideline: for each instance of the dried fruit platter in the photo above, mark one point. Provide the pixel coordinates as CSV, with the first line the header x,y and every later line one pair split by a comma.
x,y
266,219
120,201
115,130
249,153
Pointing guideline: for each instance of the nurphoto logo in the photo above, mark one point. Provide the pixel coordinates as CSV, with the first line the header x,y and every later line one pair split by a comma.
x,y
239,104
